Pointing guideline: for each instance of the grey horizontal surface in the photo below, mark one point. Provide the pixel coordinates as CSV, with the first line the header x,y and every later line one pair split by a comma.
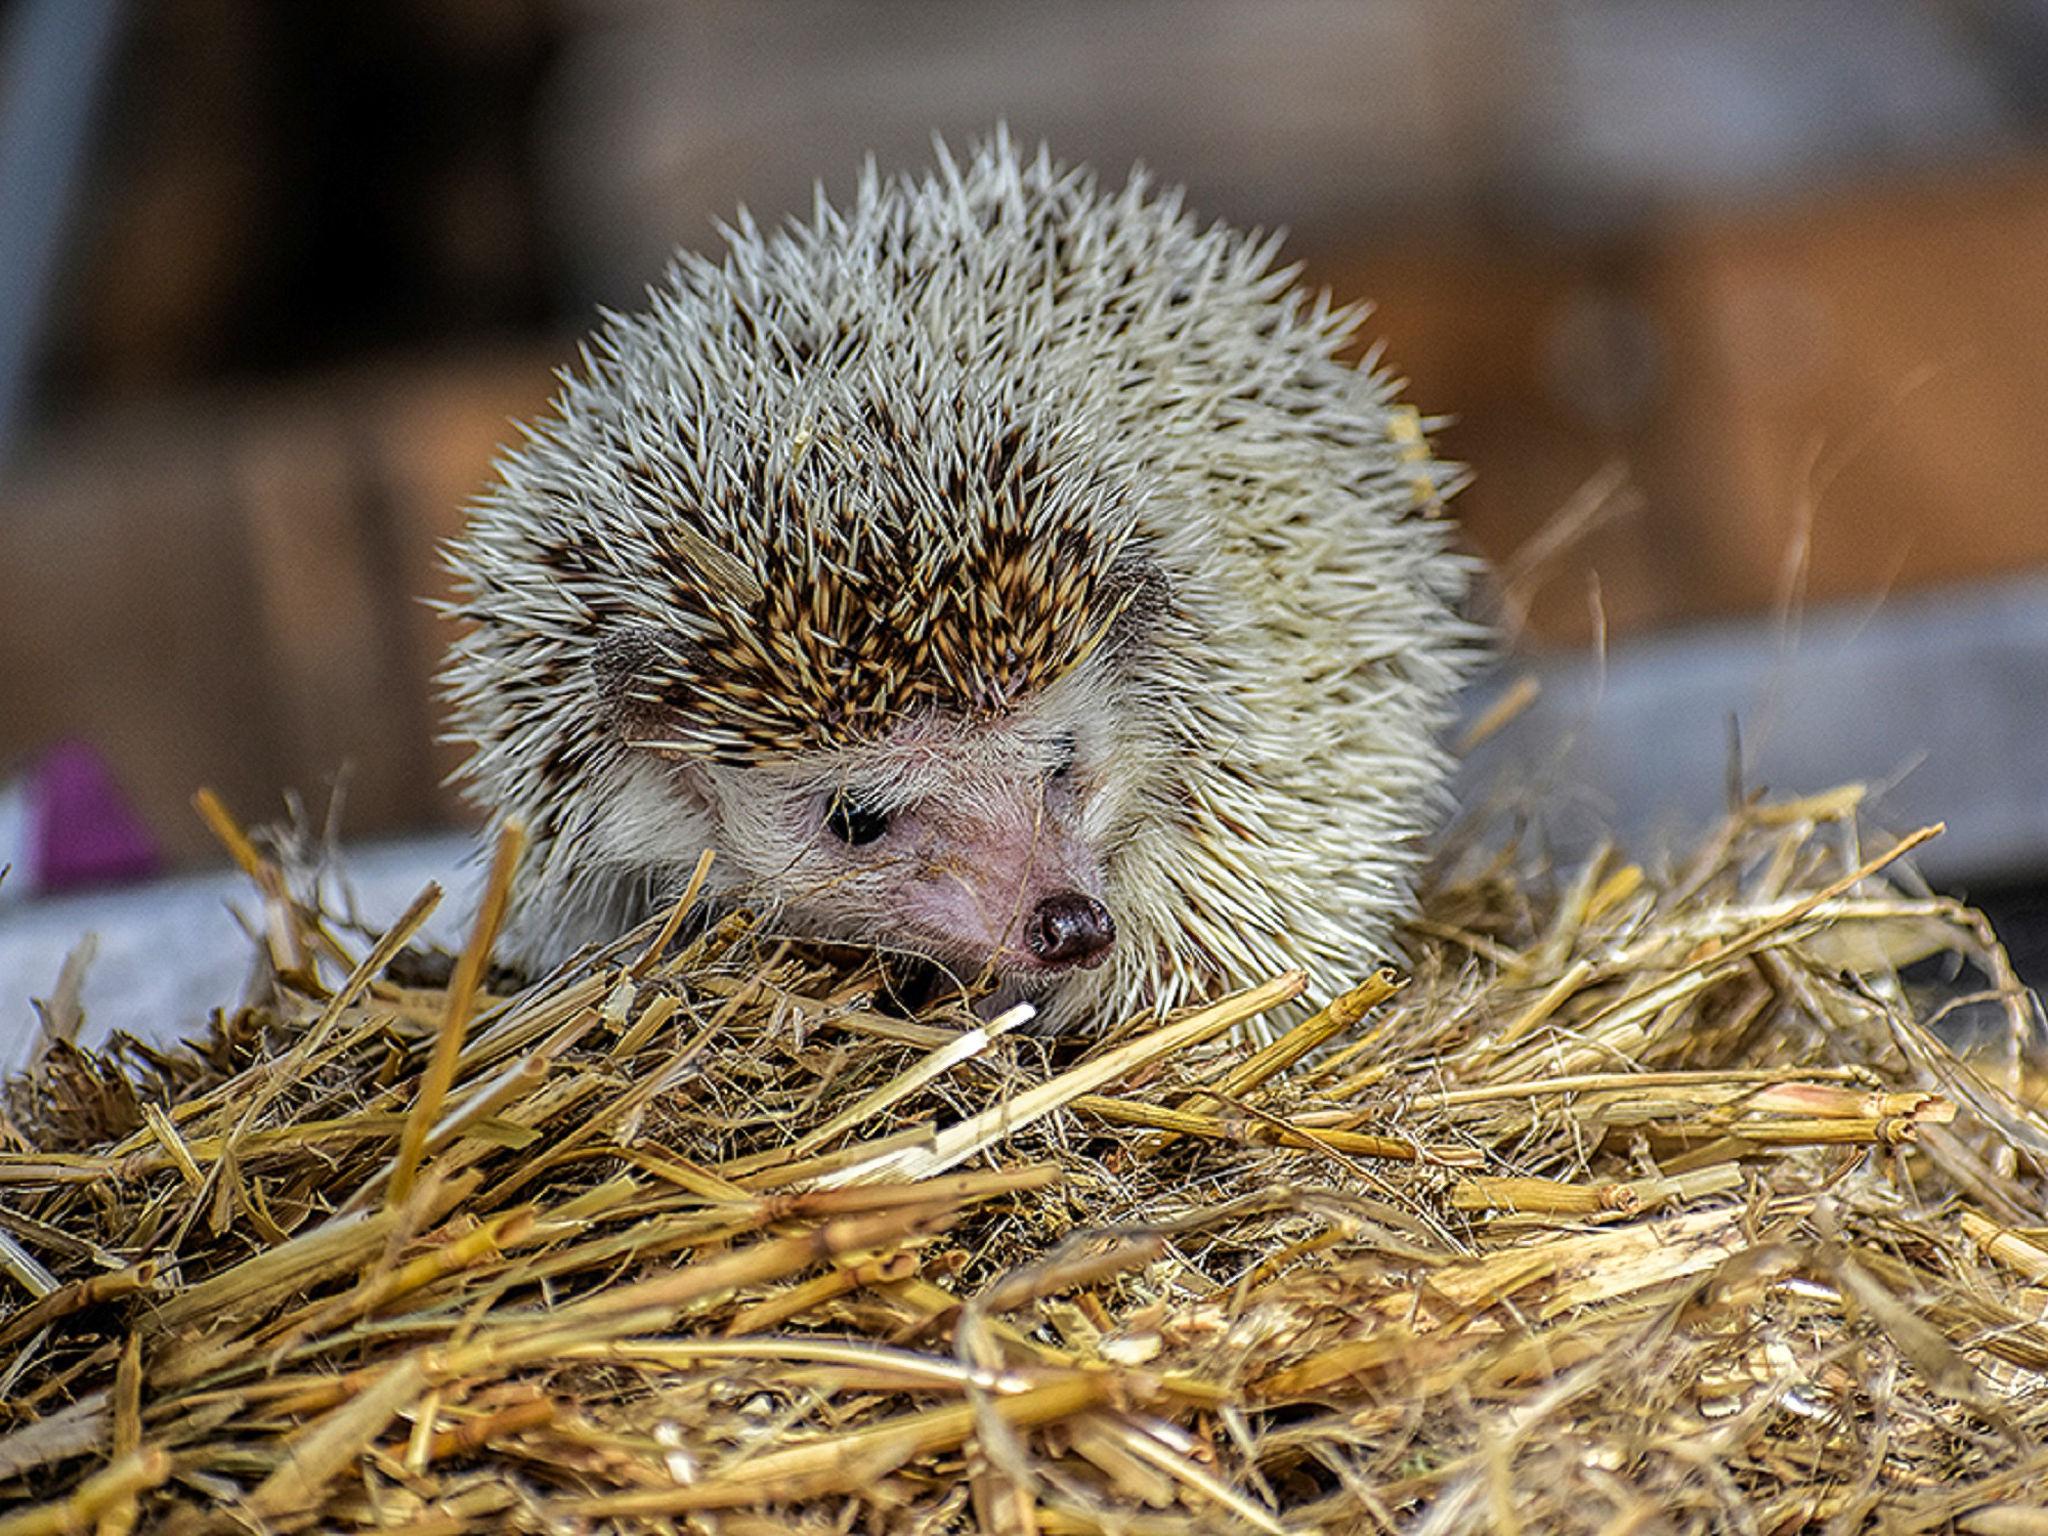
x,y
171,951
1939,701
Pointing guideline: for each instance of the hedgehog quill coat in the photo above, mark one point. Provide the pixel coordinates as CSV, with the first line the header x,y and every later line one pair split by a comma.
x,y
1001,569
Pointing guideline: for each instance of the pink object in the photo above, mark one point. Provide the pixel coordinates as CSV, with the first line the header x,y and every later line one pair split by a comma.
x,y
82,829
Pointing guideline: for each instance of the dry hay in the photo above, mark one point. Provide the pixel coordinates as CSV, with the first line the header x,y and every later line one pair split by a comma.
x,y
1646,1203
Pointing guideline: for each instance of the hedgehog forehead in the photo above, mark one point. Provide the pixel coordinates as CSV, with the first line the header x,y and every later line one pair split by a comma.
x,y
883,584
838,663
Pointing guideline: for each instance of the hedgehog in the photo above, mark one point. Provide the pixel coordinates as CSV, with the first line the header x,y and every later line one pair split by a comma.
x,y
1000,570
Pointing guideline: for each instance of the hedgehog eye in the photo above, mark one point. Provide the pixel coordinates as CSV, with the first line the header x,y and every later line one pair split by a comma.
x,y
855,824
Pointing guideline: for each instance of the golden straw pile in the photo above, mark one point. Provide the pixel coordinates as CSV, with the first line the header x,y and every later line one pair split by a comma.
x,y
1704,1200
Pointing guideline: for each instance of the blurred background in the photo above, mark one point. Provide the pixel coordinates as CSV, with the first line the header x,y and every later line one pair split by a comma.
x,y
1739,310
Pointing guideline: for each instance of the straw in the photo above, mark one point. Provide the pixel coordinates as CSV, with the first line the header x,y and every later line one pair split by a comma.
x,y
1697,1202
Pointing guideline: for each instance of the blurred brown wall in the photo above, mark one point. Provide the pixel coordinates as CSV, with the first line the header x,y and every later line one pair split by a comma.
x,y
1832,399
227,591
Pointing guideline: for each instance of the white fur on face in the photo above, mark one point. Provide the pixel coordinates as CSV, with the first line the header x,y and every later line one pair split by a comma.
x,y
980,823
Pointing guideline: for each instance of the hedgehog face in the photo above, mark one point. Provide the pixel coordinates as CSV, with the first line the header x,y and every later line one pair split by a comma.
x,y
975,828
977,845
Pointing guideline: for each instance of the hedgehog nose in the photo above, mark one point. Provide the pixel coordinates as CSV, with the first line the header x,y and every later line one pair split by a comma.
x,y
1070,929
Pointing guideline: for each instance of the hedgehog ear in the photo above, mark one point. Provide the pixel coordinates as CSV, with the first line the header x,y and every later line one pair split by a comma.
x,y
1137,593
620,663
629,667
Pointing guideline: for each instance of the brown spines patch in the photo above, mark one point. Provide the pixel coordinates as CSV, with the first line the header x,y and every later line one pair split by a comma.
x,y
876,587
829,651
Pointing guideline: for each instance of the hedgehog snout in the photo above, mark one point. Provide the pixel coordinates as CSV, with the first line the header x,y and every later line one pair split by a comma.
x,y
1070,929
993,879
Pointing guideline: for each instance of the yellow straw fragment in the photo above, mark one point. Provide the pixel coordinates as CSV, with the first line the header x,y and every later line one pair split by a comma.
x,y
462,991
